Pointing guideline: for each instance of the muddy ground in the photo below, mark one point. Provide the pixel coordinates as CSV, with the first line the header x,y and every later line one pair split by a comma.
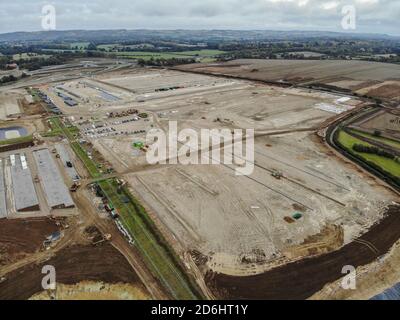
x,y
21,237
73,265
302,279
358,76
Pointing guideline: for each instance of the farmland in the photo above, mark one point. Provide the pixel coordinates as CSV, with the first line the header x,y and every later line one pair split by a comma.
x,y
363,78
389,142
388,165
202,55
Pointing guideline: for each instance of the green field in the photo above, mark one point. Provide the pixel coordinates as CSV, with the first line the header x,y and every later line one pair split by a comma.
x,y
89,164
58,128
205,55
157,254
386,164
202,55
389,142
16,140
113,46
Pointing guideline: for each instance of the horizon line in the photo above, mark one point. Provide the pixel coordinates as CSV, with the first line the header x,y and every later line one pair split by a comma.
x,y
352,32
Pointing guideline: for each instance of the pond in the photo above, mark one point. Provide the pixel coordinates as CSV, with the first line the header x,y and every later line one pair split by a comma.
x,y
12,133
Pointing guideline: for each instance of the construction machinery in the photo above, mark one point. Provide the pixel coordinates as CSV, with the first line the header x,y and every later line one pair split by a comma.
x,y
75,187
104,238
277,174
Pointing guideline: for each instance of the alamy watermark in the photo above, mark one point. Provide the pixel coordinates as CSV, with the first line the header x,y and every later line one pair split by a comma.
x,y
349,20
209,147
49,280
49,17
349,282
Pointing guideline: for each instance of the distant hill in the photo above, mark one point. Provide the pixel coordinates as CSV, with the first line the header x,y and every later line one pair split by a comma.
x,y
182,35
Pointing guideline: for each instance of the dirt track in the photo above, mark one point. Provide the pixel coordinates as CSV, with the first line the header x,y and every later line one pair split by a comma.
x,y
73,265
300,280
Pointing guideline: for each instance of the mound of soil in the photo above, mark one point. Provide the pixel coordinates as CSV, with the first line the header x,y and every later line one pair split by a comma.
x,y
73,265
21,237
301,279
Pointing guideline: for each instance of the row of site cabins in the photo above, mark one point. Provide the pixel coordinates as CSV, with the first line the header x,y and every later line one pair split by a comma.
x,y
50,104
67,100
107,206
113,213
115,216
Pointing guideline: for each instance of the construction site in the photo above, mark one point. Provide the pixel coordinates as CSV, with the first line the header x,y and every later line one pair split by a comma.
x,y
88,164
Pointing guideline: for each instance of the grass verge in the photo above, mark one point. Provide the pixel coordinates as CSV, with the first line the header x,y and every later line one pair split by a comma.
x,y
16,140
387,165
388,142
157,254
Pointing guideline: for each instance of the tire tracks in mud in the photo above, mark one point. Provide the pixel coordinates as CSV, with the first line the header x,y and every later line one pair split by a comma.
x,y
301,279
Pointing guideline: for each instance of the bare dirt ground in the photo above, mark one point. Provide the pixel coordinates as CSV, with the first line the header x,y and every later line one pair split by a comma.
x,y
73,265
387,89
353,75
239,222
240,230
116,268
9,106
302,279
242,226
34,109
18,238
387,122
372,279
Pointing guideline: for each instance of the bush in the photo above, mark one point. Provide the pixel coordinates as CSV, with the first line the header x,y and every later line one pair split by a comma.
x,y
377,133
373,150
7,79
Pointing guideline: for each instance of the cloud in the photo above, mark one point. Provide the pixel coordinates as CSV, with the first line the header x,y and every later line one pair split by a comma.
x,y
378,16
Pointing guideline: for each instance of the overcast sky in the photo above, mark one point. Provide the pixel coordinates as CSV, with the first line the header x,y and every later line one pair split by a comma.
x,y
376,16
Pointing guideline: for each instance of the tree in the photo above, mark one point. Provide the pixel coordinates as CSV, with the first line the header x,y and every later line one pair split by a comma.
x,y
92,47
